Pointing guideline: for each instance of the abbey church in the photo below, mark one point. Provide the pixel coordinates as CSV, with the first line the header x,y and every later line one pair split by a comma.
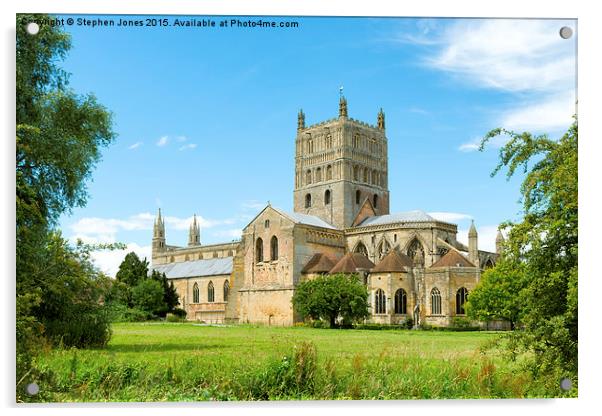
x,y
411,263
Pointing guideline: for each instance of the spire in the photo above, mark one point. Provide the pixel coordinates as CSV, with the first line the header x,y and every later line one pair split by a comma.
x,y
472,232
158,234
194,233
380,120
300,120
499,242
473,245
342,107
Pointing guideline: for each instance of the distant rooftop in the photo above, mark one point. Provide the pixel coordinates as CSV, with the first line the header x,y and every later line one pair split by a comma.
x,y
305,219
408,216
196,268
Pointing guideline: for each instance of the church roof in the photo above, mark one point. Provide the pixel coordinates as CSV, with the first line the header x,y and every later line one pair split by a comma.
x,y
299,218
196,268
319,263
408,216
393,262
453,259
350,262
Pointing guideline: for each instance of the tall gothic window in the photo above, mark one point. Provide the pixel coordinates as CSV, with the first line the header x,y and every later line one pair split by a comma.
x,y
319,175
307,200
461,298
380,301
358,195
195,293
401,302
435,302
356,140
361,248
308,177
365,175
375,201
274,248
226,290
383,248
356,173
310,146
259,250
328,172
210,292
327,197
329,141
416,252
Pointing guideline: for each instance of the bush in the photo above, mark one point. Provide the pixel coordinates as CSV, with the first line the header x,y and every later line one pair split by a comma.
x,y
148,296
90,326
121,313
180,313
170,317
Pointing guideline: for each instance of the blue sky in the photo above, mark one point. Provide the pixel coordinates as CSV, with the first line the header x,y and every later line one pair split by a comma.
x,y
206,117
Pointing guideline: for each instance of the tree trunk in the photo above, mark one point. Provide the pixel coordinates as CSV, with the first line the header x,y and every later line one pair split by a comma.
x,y
333,321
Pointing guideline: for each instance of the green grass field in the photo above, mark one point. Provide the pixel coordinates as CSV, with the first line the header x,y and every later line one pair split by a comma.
x,y
184,362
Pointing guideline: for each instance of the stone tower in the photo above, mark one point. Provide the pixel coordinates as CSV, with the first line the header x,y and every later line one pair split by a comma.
x,y
499,242
158,234
339,163
194,233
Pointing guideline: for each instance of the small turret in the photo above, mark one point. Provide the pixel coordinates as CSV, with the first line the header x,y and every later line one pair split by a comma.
x,y
300,120
473,246
158,234
194,233
342,107
499,242
380,120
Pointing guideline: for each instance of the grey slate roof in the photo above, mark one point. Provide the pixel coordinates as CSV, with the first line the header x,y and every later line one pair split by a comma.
x,y
408,216
305,219
196,268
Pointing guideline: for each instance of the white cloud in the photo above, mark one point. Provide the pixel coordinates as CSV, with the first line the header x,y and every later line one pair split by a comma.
x,y
95,230
109,261
508,54
550,114
234,233
253,205
135,145
486,237
451,217
187,146
162,141
181,138
474,144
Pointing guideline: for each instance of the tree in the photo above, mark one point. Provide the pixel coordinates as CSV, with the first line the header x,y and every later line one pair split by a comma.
x,y
170,296
498,295
544,244
132,270
59,136
148,296
331,297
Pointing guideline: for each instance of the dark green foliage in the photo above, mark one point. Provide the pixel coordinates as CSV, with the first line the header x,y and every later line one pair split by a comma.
x,y
148,296
331,297
170,296
544,248
132,270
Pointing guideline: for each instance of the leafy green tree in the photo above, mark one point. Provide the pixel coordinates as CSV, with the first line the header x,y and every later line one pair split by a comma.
x,y
545,245
59,136
148,296
132,270
330,297
170,296
498,295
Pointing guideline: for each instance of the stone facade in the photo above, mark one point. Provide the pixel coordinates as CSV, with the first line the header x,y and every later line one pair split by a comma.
x,y
341,205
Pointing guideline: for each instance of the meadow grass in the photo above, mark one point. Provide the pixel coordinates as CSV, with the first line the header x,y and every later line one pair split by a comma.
x,y
188,362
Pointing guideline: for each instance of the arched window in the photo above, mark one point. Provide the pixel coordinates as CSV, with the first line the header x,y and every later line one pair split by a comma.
x,y
365,175
435,302
329,141
416,252
356,173
380,301
215,254
383,248
375,200
358,195
195,293
488,264
374,178
328,172
401,302
274,248
319,175
210,292
230,253
327,197
461,298
361,248
266,224
308,177
259,250
307,200
310,146
356,140
226,290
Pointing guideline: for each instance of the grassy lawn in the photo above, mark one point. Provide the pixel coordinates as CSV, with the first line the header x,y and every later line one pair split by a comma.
x,y
181,362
